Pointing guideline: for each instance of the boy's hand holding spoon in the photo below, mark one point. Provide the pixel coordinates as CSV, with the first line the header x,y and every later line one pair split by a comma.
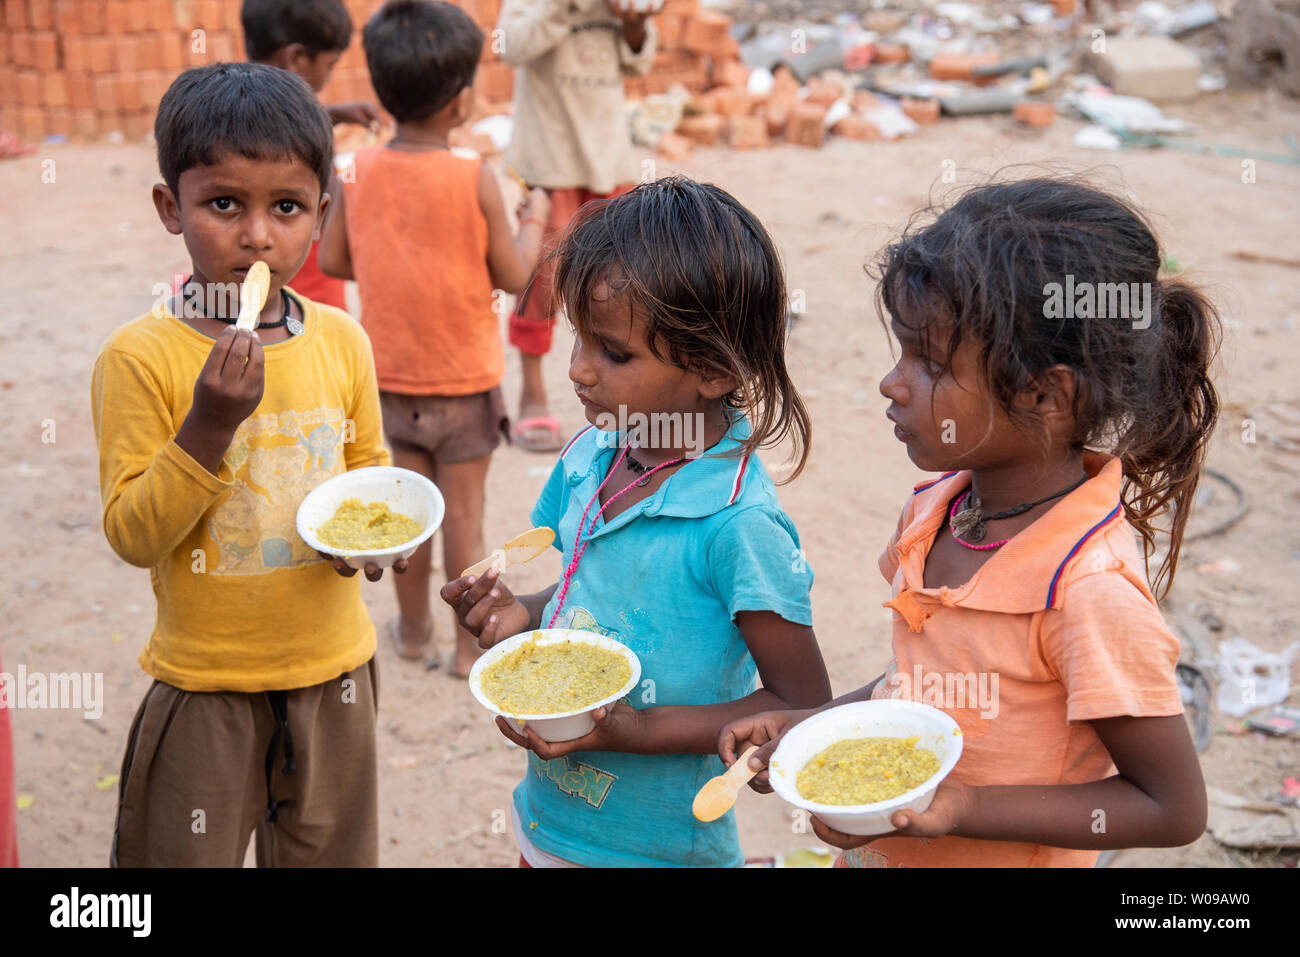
x,y
230,384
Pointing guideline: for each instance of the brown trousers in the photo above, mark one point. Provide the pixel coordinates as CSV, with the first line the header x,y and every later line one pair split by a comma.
x,y
203,771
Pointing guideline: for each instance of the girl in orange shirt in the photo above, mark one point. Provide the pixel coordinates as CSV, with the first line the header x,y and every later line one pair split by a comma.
x,y
1034,329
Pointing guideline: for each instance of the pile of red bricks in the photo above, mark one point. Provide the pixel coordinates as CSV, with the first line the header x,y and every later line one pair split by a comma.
x,y
86,68
691,41
89,68
728,113
350,80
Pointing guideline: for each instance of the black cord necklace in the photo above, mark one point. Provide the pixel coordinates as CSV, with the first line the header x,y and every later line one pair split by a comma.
x,y
640,469
294,326
968,523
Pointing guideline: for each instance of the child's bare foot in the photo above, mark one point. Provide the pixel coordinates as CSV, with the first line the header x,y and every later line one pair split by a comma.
x,y
466,654
410,640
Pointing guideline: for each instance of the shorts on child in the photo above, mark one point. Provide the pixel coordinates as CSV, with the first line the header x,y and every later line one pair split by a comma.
x,y
203,771
450,428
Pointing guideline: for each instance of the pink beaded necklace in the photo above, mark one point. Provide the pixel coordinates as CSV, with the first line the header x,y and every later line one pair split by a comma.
x,y
582,523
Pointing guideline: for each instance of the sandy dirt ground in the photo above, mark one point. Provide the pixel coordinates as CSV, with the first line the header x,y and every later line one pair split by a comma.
x,y
82,254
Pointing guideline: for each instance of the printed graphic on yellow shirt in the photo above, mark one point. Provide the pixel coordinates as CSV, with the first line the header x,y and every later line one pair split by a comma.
x,y
277,459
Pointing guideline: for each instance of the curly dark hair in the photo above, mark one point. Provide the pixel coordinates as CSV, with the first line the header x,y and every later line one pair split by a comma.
x,y
986,268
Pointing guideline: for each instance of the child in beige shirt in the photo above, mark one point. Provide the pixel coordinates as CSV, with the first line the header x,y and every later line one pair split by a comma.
x,y
571,138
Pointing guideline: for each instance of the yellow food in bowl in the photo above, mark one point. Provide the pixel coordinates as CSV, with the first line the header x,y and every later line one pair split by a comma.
x,y
359,527
865,770
554,678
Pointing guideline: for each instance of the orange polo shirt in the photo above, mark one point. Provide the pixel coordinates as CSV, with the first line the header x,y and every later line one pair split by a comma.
x,y
1057,629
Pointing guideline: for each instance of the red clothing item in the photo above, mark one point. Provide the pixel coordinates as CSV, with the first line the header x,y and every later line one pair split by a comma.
x,y
317,286
8,808
533,321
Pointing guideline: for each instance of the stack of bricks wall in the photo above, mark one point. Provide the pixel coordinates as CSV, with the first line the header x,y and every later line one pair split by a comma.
x,y
85,69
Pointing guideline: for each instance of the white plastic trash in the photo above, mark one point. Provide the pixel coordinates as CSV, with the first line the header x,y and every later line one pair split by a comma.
x,y
1250,677
837,111
1093,137
760,81
498,127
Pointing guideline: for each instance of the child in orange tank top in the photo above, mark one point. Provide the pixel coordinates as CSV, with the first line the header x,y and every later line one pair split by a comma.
x,y
424,233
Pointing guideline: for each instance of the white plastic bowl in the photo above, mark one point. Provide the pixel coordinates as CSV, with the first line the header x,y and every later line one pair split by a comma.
x,y
404,491
883,718
562,726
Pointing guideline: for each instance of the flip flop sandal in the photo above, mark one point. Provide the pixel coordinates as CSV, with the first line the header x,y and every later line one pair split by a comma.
x,y
554,440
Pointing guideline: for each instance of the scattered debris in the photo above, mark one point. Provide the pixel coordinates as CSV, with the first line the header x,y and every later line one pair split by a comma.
x,y
1279,721
1236,821
1195,692
1123,115
1271,258
1263,44
1026,59
1153,67
1223,566
1250,677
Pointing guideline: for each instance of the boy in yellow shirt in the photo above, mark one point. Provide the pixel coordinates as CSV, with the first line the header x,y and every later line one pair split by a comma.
x,y
262,713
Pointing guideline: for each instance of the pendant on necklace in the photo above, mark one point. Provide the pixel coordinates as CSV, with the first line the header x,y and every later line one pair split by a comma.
x,y
294,326
968,524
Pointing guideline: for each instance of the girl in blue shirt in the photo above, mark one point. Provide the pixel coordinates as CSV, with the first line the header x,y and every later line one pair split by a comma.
x,y
673,539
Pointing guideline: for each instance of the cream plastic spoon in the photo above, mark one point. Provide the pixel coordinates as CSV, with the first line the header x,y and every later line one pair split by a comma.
x,y
719,794
520,549
252,295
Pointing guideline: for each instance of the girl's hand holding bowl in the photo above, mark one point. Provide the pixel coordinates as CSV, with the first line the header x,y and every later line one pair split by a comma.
x,y
558,690
618,728
953,804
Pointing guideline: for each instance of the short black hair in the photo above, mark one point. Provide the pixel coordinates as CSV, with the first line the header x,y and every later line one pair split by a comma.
x,y
261,112
421,53
319,25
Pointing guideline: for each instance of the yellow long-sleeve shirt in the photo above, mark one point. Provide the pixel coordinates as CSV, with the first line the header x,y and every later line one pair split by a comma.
x,y
243,603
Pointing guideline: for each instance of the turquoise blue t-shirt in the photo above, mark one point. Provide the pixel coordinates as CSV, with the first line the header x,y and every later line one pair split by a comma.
x,y
666,578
